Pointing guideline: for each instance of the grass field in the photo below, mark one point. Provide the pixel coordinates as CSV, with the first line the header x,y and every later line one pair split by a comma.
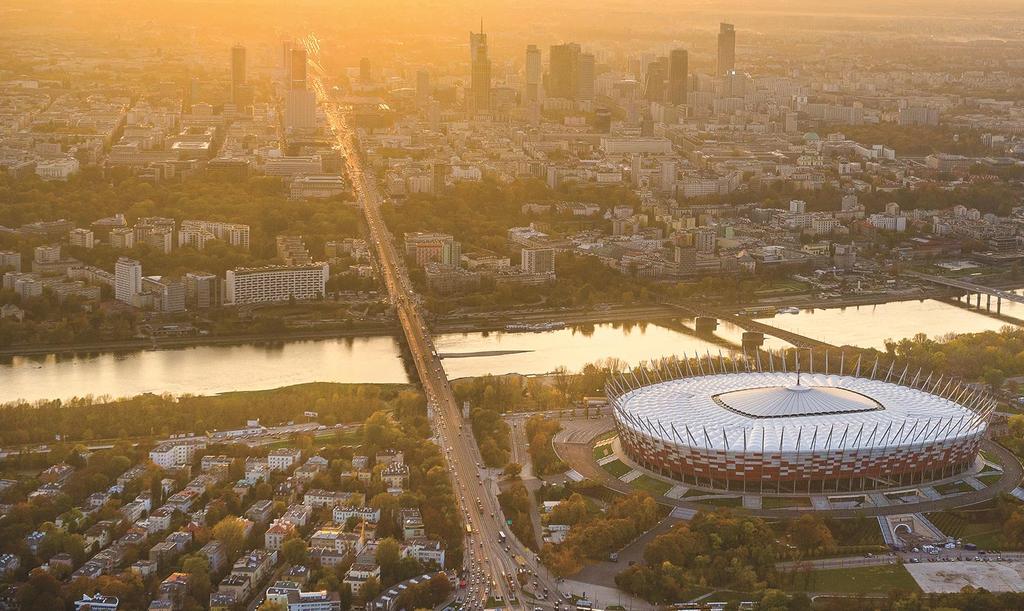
x,y
977,524
859,580
782,502
725,501
953,488
602,450
616,468
654,486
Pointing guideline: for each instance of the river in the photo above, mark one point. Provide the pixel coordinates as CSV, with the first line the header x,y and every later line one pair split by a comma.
x,y
215,369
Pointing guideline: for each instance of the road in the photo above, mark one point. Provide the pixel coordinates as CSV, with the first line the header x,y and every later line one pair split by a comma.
x,y
487,558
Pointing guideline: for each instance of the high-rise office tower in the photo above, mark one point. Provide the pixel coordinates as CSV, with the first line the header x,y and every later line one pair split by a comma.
x,y
563,75
654,82
237,74
297,69
678,67
533,74
585,80
726,48
480,72
364,70
423,90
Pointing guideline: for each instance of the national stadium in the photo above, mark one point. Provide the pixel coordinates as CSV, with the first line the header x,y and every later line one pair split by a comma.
x,y
762,425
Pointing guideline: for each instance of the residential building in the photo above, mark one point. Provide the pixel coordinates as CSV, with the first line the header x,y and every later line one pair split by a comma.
x,y
127,280
276,283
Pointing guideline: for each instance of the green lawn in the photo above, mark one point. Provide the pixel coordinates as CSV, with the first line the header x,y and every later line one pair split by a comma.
x,y
861,579
978,524
783,502
989,478
602,451
724,501
616,468
953,488
654,486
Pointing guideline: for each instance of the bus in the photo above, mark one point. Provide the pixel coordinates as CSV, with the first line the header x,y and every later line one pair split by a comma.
x,y
501,537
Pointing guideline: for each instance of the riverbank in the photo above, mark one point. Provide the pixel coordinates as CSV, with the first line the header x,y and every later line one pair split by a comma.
x,y
170,343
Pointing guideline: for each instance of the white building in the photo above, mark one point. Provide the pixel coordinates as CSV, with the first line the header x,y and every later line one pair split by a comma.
x,y
127,279
57,169
282,459
197,233
82,237
276,283
176,452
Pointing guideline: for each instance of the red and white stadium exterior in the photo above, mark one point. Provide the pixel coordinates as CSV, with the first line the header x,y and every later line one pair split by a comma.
x,y
756,425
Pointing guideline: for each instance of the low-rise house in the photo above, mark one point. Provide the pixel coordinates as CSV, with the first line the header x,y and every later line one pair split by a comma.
x,y
279,532
367,514
283,459
426,551
395,475
359,572
9,564
260,511
215,554
97,602
298,514
412,524
327,498
390,456
183,500
144,568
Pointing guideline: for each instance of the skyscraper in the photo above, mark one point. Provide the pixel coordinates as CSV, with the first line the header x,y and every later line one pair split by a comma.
x,y
678,67
654,82
238,75
297,69
726,48
563,78
585,77
533,74
423,90
365,75
480,72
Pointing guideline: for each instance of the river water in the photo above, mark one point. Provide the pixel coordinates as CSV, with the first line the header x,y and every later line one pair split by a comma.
x,y
214,369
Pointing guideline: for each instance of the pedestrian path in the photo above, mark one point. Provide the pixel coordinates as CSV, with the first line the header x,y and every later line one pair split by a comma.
x,y
941,536
883,525
974,483
683,513
677,491
632,475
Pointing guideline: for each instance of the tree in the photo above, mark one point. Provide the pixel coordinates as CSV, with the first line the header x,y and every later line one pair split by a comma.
x,y
370,589
42,591
198,568
810,535
294,551
269,605
389,554
230,531
512,470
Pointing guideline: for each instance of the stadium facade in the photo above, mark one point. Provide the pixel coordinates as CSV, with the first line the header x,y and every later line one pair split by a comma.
x,y
763,425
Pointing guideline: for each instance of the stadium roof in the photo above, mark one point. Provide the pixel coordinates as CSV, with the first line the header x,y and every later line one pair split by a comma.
x,y
791,411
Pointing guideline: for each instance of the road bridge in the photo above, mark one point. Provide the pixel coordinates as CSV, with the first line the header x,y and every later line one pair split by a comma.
x,y
751,325
484,549
970,288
